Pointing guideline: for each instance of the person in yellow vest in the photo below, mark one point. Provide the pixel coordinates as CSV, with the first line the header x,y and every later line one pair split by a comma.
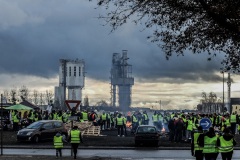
x,y
225,144
209,143
119,124
189,128
155,119
135,122
145,118
103,121
58,143
195,148
233,121
16,120
30,117
238,128
75,139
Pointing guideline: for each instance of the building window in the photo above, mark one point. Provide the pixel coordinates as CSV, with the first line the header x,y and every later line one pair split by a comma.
x,y
74,73
70,72
79,71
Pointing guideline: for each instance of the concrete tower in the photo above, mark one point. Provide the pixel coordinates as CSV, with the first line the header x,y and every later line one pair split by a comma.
x,y
71,81
121,81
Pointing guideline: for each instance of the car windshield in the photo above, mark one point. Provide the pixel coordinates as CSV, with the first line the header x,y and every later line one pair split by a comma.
x,y
146,129
34,125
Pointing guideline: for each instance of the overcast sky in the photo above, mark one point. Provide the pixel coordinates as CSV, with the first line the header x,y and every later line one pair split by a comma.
x,y
35,34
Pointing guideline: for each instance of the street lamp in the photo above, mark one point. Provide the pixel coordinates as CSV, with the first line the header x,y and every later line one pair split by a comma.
x,y
1,125
223,93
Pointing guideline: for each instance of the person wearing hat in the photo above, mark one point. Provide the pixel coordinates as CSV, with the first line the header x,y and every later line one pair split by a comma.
x,y
58,143
75,138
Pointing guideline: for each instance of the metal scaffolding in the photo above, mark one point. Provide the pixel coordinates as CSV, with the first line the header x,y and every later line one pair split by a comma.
x,y
121,81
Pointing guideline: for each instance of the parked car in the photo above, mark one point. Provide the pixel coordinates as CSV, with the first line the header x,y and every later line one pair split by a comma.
x,y
147,135
41,130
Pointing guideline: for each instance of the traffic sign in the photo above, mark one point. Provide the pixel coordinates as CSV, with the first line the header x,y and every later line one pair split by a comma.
x,y
205,123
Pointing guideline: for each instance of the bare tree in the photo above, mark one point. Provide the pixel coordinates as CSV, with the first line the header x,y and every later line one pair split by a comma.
x,y
211,26
210,102
41,99
23,93
49,97
13,96
35,97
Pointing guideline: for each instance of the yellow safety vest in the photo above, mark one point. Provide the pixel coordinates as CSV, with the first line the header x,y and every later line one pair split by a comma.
x,y
119,121
155,118
233,118
15,119
190,125
84,116
195,137
225,146
210,145
104,117
75,138
58,143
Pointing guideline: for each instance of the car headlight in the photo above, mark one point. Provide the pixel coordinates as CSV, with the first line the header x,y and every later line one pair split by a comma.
x,y
29,133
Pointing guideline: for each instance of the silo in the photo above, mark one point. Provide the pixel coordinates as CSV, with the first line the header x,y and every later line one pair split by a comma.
x,y
71,80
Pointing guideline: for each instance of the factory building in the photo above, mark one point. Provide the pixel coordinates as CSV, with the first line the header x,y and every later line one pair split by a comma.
x,y
71,81
121,81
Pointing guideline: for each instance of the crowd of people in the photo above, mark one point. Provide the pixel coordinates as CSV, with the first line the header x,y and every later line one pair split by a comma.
x,y
180,126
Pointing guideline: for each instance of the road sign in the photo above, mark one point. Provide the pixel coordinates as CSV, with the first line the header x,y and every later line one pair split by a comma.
x,y
205,123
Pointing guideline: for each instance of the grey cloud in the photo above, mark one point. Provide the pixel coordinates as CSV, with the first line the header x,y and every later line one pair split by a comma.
x,y
71,30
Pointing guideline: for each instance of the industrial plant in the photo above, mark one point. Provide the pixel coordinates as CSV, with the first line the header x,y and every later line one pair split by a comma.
x,y
72,81
121,81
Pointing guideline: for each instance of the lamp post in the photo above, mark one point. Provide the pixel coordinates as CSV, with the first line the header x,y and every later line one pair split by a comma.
x,y
223,94
2,126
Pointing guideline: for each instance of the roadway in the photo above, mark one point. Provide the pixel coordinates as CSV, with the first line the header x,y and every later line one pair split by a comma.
x,y
140,154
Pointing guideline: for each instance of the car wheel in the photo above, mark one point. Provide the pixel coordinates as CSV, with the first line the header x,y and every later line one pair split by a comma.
x,y
36,139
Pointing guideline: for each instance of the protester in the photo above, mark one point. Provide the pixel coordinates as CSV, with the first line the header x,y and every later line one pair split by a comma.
x,y
209,143
195,148
58,143
225,144
75,138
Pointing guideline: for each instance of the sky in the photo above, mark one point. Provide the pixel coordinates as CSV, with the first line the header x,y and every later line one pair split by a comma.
x,y
34,35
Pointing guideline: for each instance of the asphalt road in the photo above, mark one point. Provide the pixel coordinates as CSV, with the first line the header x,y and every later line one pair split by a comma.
x,y
140,154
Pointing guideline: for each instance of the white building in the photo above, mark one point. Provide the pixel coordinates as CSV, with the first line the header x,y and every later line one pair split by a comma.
x,y
71,81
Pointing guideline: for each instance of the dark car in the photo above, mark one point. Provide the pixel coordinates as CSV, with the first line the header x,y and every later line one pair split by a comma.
x,y
147,135
41,130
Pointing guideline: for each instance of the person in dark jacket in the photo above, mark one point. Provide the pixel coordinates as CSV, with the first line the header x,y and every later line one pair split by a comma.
x,y
171,128
225,144
209,143
179,126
